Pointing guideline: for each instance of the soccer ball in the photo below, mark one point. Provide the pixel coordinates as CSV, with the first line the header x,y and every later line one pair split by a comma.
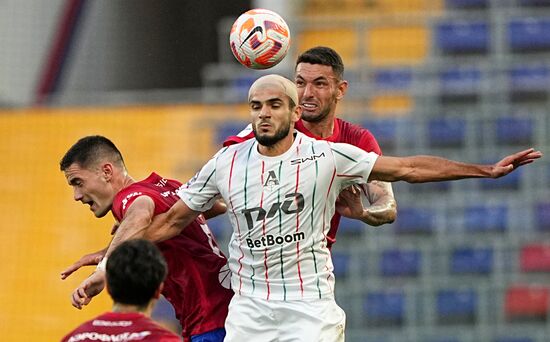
x,y
259,39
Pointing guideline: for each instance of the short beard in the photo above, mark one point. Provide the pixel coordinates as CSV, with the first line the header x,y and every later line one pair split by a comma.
x,y
269,141
316,118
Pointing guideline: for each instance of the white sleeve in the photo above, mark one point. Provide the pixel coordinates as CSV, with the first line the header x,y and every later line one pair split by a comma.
x,y
201,191
353,165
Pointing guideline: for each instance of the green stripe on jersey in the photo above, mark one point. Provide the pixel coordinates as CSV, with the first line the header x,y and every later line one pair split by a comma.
x,y
245,206
344,155
312,217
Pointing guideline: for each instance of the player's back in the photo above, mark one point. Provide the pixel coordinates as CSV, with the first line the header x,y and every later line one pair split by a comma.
x,y
118,326
196,265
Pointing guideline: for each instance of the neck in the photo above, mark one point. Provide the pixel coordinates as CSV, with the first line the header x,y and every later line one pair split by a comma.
x,y
278,148
323,128
127,308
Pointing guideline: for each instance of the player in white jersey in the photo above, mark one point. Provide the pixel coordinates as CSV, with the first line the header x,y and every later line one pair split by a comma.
x,y
280,190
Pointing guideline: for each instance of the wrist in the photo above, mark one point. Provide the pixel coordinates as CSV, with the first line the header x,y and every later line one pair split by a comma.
x,y
102,266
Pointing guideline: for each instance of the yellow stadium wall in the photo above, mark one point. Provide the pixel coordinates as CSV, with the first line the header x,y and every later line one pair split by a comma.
x,y
45,230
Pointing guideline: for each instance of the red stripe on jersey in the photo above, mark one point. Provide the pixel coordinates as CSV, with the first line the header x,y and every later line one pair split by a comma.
x,y
263,232
349,176
298,220
324,210
236,220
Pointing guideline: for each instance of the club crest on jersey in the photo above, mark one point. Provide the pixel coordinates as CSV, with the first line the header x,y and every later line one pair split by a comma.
x,y
271,181
306,159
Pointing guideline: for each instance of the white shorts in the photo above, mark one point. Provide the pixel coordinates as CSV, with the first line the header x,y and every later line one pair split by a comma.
x,y
254,319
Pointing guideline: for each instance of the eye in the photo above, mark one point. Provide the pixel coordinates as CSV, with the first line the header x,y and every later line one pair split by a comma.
x,y
299,83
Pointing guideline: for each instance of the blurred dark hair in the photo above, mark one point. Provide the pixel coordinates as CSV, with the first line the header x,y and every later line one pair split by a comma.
x,y
135,271
325,56
89,150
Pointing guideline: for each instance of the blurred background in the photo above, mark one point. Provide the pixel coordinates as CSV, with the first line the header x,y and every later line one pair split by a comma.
x,y
465,261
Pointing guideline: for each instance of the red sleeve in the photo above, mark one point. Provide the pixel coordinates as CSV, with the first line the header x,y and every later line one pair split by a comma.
x,y
235,139
368,143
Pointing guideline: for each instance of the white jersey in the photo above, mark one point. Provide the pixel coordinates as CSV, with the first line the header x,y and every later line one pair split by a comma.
x,y
280,209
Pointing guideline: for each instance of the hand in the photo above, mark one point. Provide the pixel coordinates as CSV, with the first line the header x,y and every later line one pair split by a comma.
x,y
86,260
512,162
349,202
88,289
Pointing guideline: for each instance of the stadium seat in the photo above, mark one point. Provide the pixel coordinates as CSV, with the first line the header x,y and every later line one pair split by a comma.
x,y
446,132
340,260
466,3
468,260
529,34
384,130
535,257
509,182
486,218
459,37
542,216
228,128
535,3
456,306
510,130
415,221
529,78
385,307
526,302
351,226
460,81
220,226
514,339
400,263
392,79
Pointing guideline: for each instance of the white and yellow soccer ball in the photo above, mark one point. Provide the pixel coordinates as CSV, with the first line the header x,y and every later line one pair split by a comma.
x,y
259,38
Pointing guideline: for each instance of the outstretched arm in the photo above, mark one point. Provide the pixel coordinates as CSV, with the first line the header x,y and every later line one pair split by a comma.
x,y
419,169
382,208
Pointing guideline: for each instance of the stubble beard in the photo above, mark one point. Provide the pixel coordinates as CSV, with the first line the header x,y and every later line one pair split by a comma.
x,y
269,141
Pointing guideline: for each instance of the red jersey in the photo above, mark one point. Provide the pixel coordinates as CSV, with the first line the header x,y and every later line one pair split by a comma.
x,y
198,281
343,132
117,326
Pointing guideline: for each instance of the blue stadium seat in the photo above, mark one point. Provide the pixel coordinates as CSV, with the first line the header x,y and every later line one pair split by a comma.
x,y
444,339
220,226
415,220
351,226
529,78
392,79
460,81
542,216
385,307
398,262
486,218
529,34
534,2
228,128
468,260
456,306
384,130
466,3
446,132
456,37
340,260
514,339
512,130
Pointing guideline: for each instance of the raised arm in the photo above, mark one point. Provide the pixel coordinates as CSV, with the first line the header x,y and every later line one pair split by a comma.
x,y
419,169
171,223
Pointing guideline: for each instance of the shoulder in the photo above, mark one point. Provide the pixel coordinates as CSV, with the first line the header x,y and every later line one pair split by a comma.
x,y
359,136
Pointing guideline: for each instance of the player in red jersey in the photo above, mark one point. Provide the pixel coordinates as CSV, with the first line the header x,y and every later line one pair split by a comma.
x,y
319,79
135,274
197,285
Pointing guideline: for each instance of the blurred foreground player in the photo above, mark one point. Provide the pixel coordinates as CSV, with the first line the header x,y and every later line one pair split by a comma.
x,y
135,274
197,285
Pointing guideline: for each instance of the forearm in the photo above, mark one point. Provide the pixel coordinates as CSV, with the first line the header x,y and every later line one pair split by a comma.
x,y
170,224
383,207
430,169
131,228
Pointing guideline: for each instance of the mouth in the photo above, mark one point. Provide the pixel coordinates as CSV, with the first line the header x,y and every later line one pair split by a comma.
x,y
264,127
309,106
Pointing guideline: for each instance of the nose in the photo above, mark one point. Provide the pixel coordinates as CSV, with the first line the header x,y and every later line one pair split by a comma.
x,y
265,112
307,91
77,194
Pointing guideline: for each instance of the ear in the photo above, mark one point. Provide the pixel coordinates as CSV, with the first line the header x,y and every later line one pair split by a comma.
x,y
342,89
158,291
107,171
296,114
